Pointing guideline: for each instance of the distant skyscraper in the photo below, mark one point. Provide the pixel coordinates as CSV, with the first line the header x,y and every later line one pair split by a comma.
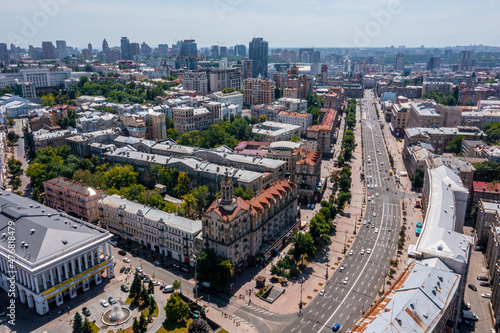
x,y
162,49
434,63
465,61
240,50
214,51
399,62
188,48
105,46
223,51
188,55
135,50
125,46
448,54
4,53
89,47
62,51
48,50
258,53
145,49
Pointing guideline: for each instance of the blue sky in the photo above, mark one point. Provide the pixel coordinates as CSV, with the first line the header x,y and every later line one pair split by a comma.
x,y
292,23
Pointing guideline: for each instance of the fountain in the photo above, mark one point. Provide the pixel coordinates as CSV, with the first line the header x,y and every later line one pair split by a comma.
x,y
117,315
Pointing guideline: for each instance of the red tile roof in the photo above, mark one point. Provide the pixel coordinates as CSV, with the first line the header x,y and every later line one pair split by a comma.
x,y
486,187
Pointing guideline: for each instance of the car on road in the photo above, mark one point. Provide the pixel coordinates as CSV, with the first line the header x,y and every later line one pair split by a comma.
x,y
138,270
342,268
146,279
473,287
482,278
486,295
104,303
322,292
163,286
374,214
335,327
467,306
368,251
376,194
373,225
122,252
485,284
364,222
362,251
156,283
122,269
127,260
478,248
111,300
351,252
373,208
124,288
127,270
387,188
86,312
346,280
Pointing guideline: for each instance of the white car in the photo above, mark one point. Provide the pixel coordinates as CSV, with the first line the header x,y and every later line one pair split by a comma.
x,y
104,303
322,292
376,194
127,260
342,268
351,252
368,251
345,280
376,230
138,270
156,283
362,251
364,222
486,295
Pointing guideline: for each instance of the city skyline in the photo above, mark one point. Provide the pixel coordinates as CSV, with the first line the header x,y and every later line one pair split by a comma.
x,y
339,23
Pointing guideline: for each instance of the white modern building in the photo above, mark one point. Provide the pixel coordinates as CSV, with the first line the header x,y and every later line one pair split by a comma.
x,y
271,131
15,106
166,233
293,104
56,256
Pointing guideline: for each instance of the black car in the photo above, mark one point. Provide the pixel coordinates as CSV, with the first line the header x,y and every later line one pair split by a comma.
x,y
127,270
86,312
478,248
122,252
473,287
485,284
111,300
482,278
122,269
162,286
124,288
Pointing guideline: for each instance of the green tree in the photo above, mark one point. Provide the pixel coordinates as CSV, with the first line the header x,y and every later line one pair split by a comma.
x,y
12,136
48,100
143,324
262,118
135,287
417,181
176,310
10,122
487,171
120,176
87,326
151,287
77,322
182,184
295,139
223,274
176,285
198,325
303,244
83,79
493,132
455,145
15,167
244,193
201,195
144,296
136,327
168,177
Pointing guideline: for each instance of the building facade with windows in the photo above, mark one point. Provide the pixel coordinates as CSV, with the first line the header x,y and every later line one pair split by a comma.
x,y
57,256
166,233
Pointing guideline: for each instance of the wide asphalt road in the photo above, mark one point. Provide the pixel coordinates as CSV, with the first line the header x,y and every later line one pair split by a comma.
x,y
352,291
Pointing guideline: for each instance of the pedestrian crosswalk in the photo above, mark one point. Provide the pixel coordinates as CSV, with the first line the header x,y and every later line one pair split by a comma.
x,y
232,308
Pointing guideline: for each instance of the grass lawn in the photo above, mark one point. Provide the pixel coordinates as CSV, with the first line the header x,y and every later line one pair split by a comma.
x,y
155,313
95,329
127,330
223,331
128,300
175,328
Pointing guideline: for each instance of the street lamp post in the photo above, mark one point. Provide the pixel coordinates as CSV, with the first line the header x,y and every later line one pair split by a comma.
x,y
345,242
300,304
195,276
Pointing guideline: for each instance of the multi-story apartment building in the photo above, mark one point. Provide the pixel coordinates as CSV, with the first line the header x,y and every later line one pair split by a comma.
x,y
439,137
197,81
487,212
302,119
307,173
221,78
234,97
92,123
73,198
166,233
81,144
187,119
436,86
156,127
468,148
258,91
424,115
258,53
484,191
270,111
273,131
44,138
324,134
247,231
135,124
400,118
480,118
57,256
293,104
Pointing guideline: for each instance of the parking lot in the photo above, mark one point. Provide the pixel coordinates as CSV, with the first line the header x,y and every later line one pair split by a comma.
x,y
478,305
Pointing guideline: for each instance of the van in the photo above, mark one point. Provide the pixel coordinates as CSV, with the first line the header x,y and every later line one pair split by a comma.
x,y
168,289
